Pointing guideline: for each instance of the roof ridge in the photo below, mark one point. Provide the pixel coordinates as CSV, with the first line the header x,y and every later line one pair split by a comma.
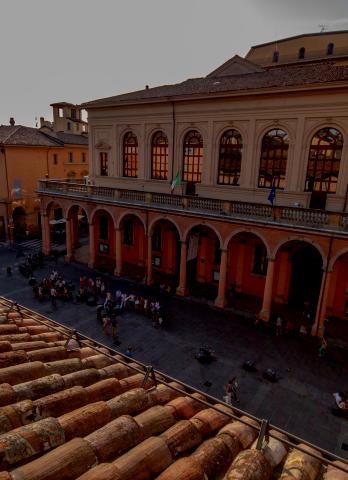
x,y
12,133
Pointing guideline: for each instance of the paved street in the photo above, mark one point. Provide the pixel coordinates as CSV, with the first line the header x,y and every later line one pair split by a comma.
x,y
300,402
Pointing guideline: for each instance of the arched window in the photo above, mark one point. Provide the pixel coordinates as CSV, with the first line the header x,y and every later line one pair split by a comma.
x,y
230,158
330,49
193,155
159,156
324,161
275,58
301,52
130,155
274,153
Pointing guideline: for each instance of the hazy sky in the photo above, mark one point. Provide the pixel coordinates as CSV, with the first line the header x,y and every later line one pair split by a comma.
x,y
79,50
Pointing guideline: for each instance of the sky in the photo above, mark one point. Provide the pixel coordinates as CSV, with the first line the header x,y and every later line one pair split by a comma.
x,y
80,50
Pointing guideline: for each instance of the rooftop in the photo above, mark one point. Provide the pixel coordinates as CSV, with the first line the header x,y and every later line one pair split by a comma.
x,y
250,79
79,410
21,135
303,35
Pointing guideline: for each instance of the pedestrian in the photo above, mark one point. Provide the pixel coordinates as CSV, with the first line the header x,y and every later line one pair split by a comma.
x,y
114,327
106,324
129,352
323,347
9,271
231,390
279,322
53,294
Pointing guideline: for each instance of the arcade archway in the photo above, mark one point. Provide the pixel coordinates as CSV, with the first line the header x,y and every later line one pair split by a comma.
x,y
19,218
165,253
203,262
133,247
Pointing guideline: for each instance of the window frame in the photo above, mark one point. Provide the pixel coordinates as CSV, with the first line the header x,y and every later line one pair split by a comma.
x,y
103,164
224,178
159,156
272,167
260,260
319,178
193,150
130,167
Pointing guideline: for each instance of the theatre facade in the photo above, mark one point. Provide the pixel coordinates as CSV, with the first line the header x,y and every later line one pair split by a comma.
x,y
230,186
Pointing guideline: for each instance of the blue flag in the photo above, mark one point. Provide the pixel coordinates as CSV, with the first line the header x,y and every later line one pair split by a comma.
x,y
272,194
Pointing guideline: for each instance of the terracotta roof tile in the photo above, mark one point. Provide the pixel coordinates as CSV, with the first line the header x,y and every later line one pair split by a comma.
x,y
85,414
21,135
275,77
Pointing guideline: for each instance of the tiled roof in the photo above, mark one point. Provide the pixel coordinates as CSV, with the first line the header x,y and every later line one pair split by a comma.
x,y
21,135
68,138
279,77
69,411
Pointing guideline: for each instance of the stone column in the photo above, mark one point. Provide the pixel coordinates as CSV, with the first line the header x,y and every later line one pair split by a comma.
x,y
181,290
149,260
68,239
318,327
220,300
118,269
46,234
92,252
267,295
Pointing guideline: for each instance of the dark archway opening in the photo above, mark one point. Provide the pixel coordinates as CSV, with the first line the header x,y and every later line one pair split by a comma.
x,y
203,262
305,277
166,248
19,224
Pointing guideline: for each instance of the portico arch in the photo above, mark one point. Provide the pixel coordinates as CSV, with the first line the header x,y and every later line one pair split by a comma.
x,y
165,252
102,240
132,246
77,221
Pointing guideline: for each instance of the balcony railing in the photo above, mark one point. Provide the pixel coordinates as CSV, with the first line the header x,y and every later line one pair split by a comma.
x,y
294,216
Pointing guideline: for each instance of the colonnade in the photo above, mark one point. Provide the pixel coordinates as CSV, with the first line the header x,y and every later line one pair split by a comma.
x,y
181,290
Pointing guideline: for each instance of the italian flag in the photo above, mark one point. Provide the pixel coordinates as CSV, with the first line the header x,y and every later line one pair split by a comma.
x,y
176,182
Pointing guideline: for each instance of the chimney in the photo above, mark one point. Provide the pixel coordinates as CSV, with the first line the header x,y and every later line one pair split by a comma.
x,y
12,121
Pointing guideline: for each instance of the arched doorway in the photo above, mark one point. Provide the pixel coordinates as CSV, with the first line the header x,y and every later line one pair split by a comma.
x,y
57,225
104,241
306,275
79,233
19,218
203,262
165,254
246,271
133,247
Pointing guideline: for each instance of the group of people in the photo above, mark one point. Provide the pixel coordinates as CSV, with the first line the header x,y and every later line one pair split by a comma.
x,y
53,287
90,289
112,307
31,262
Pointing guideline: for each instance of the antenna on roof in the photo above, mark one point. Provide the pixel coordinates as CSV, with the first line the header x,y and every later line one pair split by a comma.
x,y
322,27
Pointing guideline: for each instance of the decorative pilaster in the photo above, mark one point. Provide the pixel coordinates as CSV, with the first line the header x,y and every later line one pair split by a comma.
x,y
92,253
46,234
267,295
181,290
68,239
220,300
118,249
149,260
318,326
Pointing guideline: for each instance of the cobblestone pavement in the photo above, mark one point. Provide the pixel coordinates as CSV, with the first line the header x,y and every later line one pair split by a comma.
x,y
299,402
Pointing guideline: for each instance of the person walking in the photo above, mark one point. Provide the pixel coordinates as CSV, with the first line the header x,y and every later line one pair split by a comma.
x,y
53,295
323,347
231,391
279,323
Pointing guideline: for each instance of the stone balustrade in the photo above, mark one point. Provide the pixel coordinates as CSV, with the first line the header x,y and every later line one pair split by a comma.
x,y
294,216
